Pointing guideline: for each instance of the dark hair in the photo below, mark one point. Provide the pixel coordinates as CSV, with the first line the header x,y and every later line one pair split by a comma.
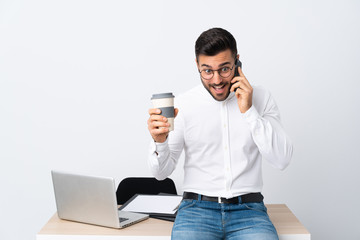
x,y
213,41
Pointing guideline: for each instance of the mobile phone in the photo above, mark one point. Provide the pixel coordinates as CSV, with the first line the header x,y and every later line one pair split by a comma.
x,y
237,64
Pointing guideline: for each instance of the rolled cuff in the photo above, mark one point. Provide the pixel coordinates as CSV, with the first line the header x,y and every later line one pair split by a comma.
x,y
161,147
251,115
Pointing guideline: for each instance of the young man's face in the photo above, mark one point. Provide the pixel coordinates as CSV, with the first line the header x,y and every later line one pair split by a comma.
x,y
218,85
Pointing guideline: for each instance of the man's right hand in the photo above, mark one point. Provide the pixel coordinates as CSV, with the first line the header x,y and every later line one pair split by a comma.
x,y
158,125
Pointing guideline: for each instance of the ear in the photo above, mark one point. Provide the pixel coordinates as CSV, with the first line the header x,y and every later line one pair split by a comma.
x,y
238,56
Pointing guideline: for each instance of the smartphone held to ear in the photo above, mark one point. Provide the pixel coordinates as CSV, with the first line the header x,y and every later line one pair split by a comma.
x,y
237,64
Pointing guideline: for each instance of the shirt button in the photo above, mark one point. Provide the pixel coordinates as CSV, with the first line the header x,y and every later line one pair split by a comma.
x,y
225,147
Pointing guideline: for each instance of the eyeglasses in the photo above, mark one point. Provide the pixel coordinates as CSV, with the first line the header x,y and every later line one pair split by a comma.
x,y
224,72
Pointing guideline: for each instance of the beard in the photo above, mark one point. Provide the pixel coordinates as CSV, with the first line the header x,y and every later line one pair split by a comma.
x,y
209,86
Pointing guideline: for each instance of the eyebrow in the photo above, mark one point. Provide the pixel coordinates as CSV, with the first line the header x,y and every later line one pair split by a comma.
x,y
223,64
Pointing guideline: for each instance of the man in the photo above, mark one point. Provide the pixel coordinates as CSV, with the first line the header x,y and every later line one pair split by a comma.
x,y
226,127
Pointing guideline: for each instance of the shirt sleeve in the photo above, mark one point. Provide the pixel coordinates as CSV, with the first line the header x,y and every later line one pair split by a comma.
x,y
163,157
269,135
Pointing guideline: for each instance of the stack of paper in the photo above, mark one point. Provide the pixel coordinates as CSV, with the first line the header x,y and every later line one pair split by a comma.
x,y
158,206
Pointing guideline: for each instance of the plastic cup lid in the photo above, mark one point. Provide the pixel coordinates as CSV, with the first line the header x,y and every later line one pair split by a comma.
x,y
162,95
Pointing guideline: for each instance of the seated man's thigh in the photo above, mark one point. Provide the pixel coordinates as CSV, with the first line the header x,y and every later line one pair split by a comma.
x,y
250,222
193,221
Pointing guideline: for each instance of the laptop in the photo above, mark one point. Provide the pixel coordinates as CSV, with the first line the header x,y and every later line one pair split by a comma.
x,y
90,199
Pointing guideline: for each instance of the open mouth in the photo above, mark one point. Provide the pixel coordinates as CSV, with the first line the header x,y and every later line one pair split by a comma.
x,y
219,89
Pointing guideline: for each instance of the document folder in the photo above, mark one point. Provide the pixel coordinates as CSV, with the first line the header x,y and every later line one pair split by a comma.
x,y
157,206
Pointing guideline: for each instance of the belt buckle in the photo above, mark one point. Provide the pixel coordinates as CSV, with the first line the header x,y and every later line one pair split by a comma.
x,y
219,199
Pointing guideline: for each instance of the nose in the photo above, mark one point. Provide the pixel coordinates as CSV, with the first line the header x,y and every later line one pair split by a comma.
x,y
217,78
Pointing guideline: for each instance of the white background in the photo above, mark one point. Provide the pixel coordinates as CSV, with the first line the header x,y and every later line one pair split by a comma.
x,y
76,79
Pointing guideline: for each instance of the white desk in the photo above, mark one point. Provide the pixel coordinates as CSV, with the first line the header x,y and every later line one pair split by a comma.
x,y
285,222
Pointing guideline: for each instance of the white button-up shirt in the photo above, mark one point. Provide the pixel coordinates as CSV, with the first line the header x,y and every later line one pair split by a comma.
x,y
223,147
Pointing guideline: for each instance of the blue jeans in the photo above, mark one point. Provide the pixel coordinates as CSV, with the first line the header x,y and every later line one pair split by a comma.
x,y
203,220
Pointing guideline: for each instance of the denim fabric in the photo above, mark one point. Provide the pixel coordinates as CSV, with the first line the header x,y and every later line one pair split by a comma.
x,y
203,220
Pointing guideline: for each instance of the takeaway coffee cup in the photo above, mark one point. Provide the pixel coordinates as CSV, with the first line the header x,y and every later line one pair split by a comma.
x,y
165,102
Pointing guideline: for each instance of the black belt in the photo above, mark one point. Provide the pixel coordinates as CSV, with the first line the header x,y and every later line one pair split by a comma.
x,y
246,198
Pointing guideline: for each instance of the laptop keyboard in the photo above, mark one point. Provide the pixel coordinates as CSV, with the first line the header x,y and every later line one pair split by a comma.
x,y
123,219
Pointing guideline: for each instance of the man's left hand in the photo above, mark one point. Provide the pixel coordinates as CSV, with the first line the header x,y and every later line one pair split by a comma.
x,y
243,91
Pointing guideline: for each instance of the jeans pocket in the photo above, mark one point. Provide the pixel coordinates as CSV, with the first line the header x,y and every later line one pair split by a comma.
x,y
186,203
256,206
